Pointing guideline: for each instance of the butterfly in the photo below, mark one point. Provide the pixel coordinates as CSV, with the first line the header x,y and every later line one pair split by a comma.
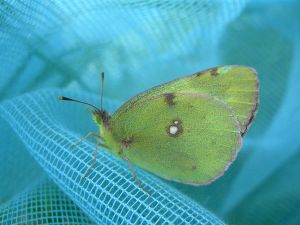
x,y
188,130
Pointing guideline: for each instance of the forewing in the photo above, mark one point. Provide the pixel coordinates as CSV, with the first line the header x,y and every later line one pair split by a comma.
x,y
235,85
186,137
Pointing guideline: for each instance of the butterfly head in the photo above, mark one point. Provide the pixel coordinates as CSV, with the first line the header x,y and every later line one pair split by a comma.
x,y
101,117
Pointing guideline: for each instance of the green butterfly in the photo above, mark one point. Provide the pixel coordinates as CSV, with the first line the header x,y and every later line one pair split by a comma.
x,y
188,130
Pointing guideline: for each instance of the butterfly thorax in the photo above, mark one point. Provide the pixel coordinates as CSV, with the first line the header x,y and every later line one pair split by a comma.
x,y
102,118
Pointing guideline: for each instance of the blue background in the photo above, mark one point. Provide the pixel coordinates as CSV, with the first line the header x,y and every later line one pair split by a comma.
x,y
139,44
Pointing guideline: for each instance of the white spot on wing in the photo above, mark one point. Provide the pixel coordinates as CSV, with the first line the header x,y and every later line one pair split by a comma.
x,y
173,129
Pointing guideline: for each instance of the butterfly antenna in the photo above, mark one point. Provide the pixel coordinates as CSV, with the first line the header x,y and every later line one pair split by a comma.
x,y
102,85
74,100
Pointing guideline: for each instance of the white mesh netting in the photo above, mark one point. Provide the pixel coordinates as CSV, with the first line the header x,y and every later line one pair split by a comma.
x,y
43,204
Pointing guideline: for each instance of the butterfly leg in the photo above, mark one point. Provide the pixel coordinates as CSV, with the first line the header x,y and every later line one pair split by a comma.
x,y
94,160
91,133
135,176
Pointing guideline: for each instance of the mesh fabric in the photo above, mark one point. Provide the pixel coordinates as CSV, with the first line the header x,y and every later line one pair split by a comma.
x,y
45,203
109,195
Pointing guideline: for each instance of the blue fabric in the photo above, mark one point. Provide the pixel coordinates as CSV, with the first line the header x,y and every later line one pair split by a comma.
x,y
60,47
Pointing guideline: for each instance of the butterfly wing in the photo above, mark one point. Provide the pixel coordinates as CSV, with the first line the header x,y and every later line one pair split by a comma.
x,y
186,137
235,85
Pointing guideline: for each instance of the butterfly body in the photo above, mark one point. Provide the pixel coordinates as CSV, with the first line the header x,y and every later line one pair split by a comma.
x,y
188,130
